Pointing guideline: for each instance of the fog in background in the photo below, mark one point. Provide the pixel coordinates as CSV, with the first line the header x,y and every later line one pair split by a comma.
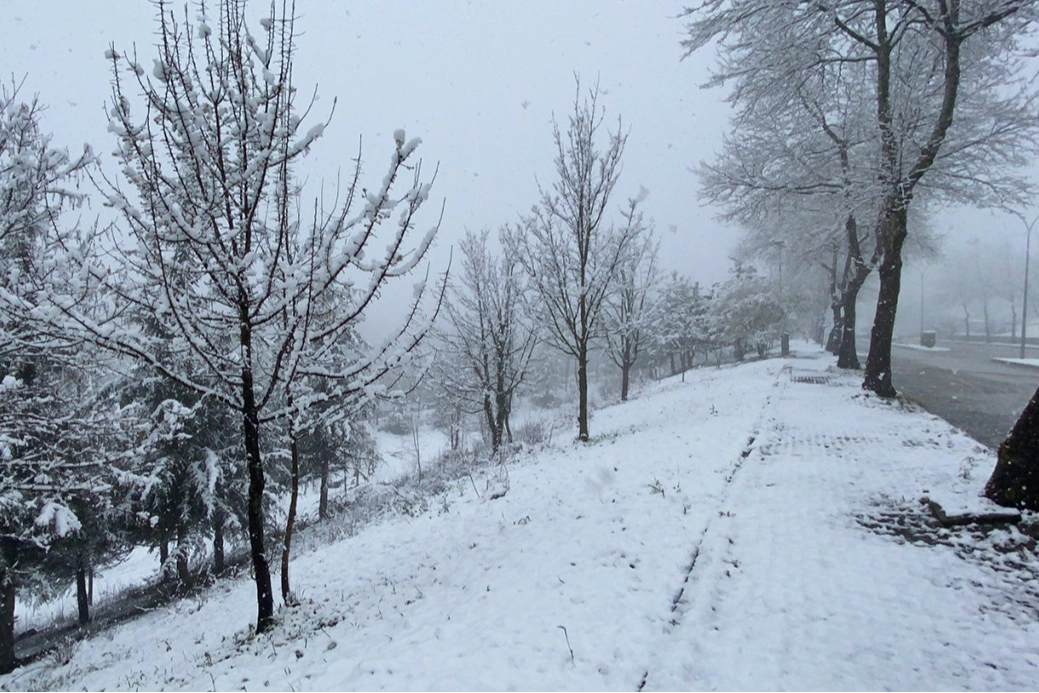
x,y
480,83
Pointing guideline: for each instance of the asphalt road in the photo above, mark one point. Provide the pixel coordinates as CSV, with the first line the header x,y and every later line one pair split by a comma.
x,y
966,387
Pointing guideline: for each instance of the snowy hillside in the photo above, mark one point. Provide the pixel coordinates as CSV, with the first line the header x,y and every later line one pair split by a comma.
x,y
756,526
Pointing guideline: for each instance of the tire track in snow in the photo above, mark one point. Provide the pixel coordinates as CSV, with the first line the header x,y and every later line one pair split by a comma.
x,y
689,575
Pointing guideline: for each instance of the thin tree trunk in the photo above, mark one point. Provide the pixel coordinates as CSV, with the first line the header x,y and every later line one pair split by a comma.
x,y
322,504
492,426
833,341
988,327
82,595
501,416
7,594
164,557
218,542
257,550
625,371
183,574
582,393
290,521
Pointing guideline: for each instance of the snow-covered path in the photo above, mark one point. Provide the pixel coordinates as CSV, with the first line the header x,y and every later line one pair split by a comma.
x,y
790,590
768,474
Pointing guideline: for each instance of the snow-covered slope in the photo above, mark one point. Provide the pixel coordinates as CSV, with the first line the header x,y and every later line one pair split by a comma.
x,y
756,526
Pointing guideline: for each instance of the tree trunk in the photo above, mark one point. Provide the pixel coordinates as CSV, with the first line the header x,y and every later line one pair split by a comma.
x,y
501,414
855,273
322,504
625,371
671,357
988,327
7,594
847,353
183,573
833,341
582,393
1015,479
492,425
257,550
290,521
164,557
218,542
878,363
90,586
82,596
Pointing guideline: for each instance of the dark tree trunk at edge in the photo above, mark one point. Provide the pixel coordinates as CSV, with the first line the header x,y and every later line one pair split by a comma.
x,y
1015,479
7,593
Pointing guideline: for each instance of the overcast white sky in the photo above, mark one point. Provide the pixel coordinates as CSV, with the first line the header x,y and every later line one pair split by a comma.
x,y
478,81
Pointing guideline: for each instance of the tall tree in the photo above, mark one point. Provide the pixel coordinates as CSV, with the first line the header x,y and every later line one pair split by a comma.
x,y
628,306
926,63
567,246
490,338
219,256
679,322
747,312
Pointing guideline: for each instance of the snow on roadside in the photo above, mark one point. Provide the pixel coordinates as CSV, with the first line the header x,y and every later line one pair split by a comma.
x,y
673,551
1033,363
920,347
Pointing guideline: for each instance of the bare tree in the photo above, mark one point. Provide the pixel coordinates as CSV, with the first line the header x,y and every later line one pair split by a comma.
x,y
490,339
627,309
218,254
569,252
924,62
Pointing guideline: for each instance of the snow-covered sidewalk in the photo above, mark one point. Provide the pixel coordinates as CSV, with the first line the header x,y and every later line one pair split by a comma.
x,y
757,526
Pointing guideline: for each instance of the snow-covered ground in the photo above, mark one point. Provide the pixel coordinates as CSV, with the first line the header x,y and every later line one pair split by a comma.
x,y
757,526
1034,363
920,347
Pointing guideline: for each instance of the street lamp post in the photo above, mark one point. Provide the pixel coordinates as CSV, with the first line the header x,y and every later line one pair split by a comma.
x,y
1024,301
